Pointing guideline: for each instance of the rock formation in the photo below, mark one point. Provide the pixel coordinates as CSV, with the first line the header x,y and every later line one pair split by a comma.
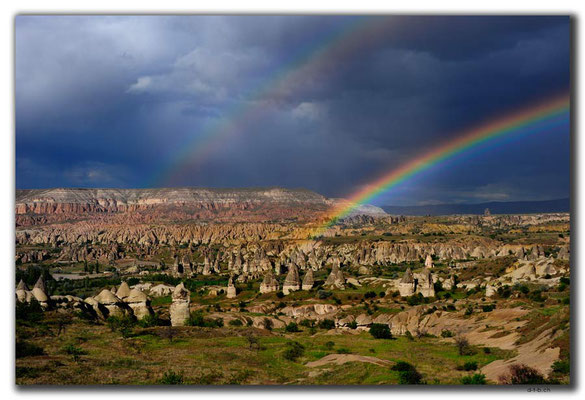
x,y
139,303
308,280
292,281
123,291
269,284
425,283
335,279
231,289
23,293
180,306
406,286
113,305
429,262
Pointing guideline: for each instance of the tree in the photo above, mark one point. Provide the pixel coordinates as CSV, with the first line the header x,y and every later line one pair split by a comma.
x,y
407,373
475,379
520,374
380,331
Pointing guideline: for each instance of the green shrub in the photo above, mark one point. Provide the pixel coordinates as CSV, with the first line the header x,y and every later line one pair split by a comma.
x,y
352,325
307,323
29,312
171,378
445,333
74,351
488,307
407,373
280,295
123,325
25,349
236,322
468,366
326,324
380,331
324,294
292,327
294,351
149,321
463,346
475,379
562,366
520,374
268,324
329,345
343,350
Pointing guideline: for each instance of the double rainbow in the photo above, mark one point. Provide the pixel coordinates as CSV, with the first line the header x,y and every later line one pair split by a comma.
x,y
309,62
527,119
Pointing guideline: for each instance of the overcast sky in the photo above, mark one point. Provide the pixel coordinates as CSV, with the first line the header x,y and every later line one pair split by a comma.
x,y
321,102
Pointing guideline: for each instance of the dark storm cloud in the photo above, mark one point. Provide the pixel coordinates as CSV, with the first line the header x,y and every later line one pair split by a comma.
x,y
110,101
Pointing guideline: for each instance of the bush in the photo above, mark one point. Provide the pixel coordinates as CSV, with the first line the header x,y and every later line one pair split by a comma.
x,y
562,366
380,331
488,307
468,366
171,378
445,333
326,324
197,319
324,294
370,295
123,325
463,346
25,349
520,374
280,295
292,327
343,350
352,325
415,299
236,322
329,345
268,324
407,373
294,351
475,379
74,351
149,321
307,323
29,312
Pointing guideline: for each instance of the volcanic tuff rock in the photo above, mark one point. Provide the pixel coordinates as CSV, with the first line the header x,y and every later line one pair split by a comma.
x,y
180,306
292,281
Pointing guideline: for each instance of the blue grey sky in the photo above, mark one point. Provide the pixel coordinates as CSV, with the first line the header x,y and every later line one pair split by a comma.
x,y
110,101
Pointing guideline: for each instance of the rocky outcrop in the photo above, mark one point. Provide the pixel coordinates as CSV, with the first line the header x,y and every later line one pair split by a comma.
x,y
114,306
407,286
269,284
231,289
139,303
292,281
181,301
308,280
335,280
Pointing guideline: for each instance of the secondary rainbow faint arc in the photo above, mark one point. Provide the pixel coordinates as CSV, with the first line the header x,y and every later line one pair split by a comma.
x,y
470,139
337,44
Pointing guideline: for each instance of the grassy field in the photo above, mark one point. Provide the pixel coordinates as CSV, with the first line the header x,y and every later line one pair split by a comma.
x,y
86,353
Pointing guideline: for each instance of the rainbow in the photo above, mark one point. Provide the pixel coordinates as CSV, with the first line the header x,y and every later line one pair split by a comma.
x,y
315,60
519,121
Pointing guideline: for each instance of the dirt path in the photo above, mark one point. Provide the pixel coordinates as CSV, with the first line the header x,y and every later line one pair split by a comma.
x,y
345,358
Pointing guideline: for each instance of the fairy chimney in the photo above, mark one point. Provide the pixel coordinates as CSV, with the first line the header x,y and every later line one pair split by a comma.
x,y
308,280
180,306
292,281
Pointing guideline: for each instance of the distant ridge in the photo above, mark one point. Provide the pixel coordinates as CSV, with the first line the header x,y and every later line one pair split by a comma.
x,y
496,207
